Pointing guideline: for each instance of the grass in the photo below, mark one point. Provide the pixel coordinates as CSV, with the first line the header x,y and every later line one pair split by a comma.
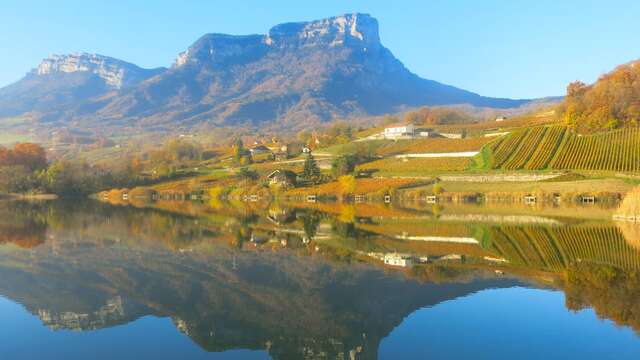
x,y
425,145
432,145
416,166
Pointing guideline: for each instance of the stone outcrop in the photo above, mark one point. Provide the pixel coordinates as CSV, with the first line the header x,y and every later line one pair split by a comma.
x,y
115,73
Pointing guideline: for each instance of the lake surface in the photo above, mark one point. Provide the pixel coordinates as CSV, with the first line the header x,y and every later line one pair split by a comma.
x,y
190,280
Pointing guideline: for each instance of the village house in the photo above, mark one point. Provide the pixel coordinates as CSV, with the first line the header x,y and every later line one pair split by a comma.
x,y
260,149
399,131
282,178
501,118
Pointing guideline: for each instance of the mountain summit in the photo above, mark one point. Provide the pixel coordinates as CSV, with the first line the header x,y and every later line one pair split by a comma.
x,y
296,75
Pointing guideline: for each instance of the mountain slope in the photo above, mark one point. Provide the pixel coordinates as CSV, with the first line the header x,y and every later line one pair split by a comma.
x,y
296,75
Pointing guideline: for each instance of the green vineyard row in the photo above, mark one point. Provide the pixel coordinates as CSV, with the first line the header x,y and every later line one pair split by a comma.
x,y
557,147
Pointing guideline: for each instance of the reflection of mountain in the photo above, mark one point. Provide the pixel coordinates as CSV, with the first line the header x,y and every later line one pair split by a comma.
x,y
102,266
111,312
295,306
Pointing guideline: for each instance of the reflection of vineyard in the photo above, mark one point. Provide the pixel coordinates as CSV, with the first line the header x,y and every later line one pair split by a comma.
x,y
557,248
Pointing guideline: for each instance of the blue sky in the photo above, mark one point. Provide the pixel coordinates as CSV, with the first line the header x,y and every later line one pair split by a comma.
x,y
517,49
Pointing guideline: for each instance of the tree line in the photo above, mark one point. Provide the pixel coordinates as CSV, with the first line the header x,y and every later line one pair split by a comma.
x,y
26,169
612,102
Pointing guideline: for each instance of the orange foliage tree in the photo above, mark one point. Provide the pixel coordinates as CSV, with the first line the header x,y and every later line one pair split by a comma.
x,y
31,156
612,102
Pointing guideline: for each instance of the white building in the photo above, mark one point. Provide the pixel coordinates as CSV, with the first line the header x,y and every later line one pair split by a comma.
x,y
397,131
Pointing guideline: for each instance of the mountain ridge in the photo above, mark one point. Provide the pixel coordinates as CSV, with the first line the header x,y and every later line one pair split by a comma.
x,y
297,75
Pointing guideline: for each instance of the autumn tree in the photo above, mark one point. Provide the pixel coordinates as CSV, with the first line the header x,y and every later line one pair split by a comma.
x,y
31,156
610,103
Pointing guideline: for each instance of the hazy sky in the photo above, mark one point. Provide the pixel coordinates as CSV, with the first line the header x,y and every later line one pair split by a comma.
x,y
517,49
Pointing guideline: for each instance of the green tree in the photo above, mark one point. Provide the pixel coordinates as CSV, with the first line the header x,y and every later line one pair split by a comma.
x,y
343,165
311,171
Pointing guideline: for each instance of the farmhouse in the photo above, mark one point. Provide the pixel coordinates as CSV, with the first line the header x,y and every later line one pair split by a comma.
x,y
399,130
260,149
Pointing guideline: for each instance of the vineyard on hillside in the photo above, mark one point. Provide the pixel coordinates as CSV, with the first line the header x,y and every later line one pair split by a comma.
x,y
556,147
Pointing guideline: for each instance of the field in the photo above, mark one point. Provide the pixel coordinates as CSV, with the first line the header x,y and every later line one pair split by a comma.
x,y
556,147
432,145
425,145
416,166
487,126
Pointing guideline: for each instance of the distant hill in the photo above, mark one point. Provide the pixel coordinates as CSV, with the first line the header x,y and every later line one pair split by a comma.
x,y
297,75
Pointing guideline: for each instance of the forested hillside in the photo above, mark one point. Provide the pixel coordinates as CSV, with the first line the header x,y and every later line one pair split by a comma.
x,y
612,102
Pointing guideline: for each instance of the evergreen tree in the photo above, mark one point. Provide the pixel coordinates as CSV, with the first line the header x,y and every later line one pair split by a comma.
x,y
311,170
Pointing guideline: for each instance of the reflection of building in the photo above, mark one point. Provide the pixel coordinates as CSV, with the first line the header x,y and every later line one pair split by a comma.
x,y
398,260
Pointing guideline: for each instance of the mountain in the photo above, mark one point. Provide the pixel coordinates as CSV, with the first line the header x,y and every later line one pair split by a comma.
x,y
66,80
296,75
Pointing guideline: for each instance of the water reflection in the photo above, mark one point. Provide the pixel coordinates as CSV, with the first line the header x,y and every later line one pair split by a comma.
x,y
298,280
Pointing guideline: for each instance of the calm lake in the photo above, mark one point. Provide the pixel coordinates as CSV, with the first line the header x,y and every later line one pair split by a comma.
x,y
190,280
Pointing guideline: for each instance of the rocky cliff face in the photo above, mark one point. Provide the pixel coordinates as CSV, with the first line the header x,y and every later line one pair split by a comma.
x,y
297,75
61,82
115,73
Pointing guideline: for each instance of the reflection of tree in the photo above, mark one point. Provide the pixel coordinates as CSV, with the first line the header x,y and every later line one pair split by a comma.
x,y
311,220
22,224
441,274
631,232
242,235
344,229
612,292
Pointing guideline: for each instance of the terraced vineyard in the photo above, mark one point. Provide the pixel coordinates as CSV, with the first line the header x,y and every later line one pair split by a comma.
x,y
556,147
616,151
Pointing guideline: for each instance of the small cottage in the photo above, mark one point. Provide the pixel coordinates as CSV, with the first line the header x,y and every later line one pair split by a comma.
x,y
260,149
283,178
